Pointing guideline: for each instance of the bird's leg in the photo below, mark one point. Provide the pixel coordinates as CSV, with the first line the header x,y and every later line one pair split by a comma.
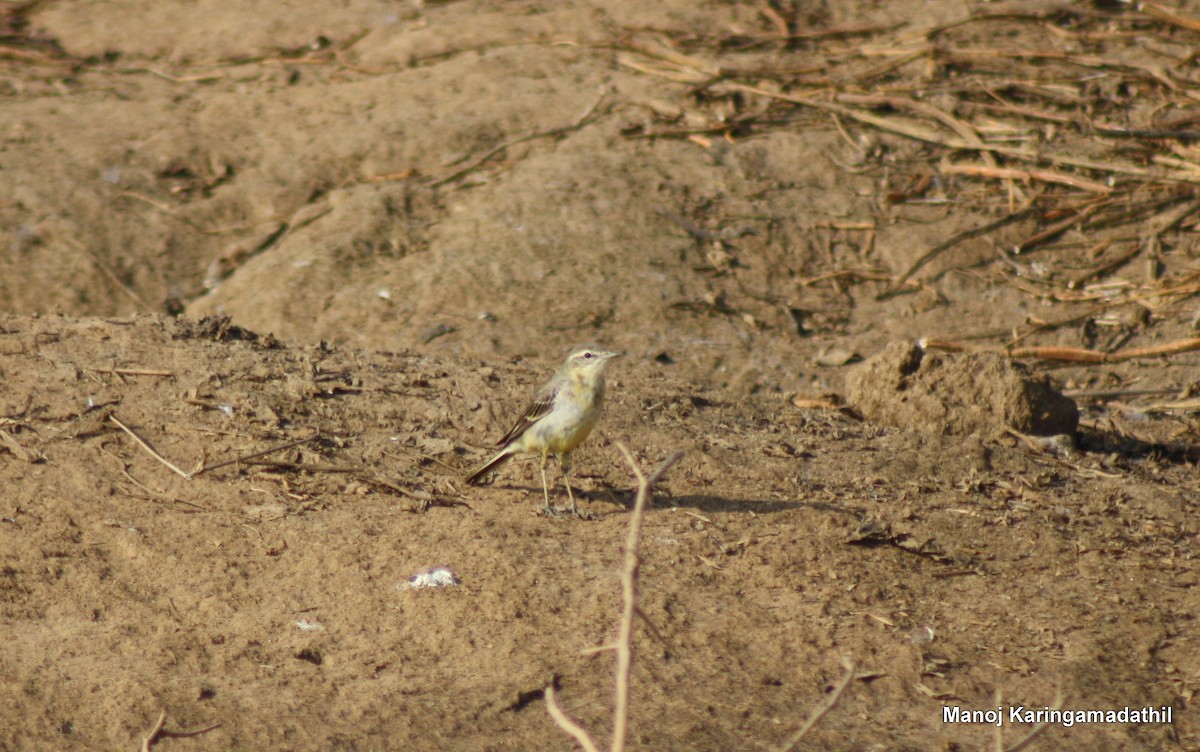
x,y
545,486
565,462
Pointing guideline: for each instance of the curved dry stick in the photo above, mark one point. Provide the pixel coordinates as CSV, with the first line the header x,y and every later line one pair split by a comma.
x,y
965,130
825,708
1037,730
1160,13
566,724
149,738
629,578
949,243
247,457
1070,354
1007,173
624,645
158,732
149,449
585,119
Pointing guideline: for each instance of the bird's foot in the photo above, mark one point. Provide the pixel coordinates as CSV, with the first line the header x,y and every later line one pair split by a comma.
x,y
559,513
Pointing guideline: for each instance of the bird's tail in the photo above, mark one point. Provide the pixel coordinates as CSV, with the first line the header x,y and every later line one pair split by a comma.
x,y
492,464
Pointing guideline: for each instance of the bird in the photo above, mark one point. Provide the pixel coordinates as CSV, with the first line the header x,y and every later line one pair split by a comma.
x,y
562,415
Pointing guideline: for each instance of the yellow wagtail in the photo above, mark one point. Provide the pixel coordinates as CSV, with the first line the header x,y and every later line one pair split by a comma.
x,y
562,415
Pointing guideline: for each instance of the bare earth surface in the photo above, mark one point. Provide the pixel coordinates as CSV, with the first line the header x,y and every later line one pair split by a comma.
x,y
274,276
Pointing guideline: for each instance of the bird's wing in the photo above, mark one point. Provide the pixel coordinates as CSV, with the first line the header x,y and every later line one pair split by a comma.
x,y
542,404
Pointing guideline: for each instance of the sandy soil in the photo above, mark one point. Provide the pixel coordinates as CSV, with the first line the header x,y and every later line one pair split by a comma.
x,y
359,235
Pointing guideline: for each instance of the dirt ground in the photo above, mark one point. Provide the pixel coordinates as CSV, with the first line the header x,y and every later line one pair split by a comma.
x,y
274,276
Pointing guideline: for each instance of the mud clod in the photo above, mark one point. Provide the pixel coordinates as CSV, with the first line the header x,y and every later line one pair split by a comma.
x,y
950,394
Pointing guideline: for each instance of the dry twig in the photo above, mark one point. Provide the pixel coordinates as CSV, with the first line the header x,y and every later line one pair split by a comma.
x,y
624,646
949,243
1158,12
149,449
577,732
826,706
1037,730
1069,354
113,277
629,581
158,732
247,457
475,163
1074,219
991,171
132,372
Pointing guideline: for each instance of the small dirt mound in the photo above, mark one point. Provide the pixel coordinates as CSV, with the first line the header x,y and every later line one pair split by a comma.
x,y
958,394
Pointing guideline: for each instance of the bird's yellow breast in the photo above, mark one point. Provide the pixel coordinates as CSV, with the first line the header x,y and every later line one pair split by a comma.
x,y
570,421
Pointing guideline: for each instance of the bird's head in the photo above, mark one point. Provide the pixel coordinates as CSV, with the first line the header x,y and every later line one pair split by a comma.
x,y
589,360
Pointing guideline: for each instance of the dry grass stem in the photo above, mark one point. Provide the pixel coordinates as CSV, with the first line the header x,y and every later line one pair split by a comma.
x,y
1162,14
1142,175
476,162
149,449
133,372
624,644
159,732
629,583
949,243
247,457
820,712
566,724
990,171
1037,730
1070,354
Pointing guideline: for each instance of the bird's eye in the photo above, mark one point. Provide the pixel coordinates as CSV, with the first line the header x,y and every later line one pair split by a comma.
x,y
588,356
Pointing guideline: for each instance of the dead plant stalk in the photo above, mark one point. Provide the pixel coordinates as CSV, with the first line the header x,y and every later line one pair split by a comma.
x,y
624,645
159,732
